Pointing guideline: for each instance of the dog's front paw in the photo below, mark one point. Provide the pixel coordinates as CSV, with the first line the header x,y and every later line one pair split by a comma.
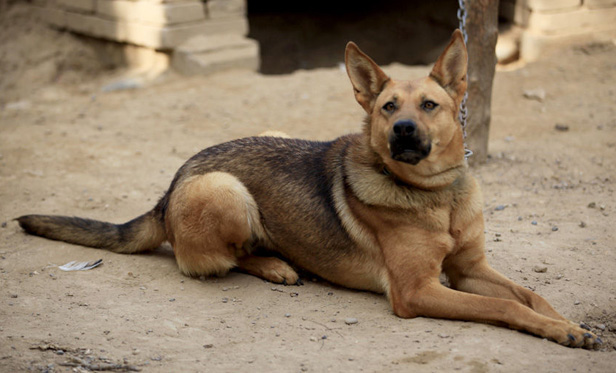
x,y
572,335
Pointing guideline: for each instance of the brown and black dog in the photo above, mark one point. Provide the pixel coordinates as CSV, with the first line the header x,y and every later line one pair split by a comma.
x,y
386,210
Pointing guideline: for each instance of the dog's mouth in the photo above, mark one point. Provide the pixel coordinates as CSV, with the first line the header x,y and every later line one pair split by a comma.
x,y
409,149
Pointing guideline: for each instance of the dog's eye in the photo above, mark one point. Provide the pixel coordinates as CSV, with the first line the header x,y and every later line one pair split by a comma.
x,y
429,105
389,107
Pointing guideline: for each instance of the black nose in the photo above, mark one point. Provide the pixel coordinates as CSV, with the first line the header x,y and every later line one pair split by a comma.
x,y
405,127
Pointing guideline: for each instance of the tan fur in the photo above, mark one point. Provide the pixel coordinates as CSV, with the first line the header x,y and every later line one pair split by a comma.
x,y
211,219
387,210
274,133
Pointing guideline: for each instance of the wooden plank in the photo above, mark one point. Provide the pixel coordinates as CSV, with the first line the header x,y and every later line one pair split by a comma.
x,y
482,28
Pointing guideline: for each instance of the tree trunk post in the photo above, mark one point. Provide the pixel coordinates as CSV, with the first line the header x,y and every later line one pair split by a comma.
x,y
482,28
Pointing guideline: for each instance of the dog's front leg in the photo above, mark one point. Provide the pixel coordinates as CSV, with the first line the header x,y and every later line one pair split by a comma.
x,y
432,299
479,278
469,271
415,290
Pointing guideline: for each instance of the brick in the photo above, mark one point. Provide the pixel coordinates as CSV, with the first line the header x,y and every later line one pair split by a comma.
x,y
238,26
210,54
599,4
575,22
86,6
209,43
150,12
548,5
225,8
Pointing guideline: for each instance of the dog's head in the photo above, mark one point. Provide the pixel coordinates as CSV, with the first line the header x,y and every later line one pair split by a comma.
x,y
413,125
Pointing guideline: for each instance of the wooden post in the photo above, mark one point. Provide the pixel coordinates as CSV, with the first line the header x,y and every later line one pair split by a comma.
x,y
482,28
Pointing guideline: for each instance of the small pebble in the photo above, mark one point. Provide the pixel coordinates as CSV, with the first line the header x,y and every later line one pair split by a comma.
x,y
287,315
499,208
534,222
601,326
554,229
313,339
561,127
172,300
351,320
577,302
582,224
539,269
592,205
537,94
209,345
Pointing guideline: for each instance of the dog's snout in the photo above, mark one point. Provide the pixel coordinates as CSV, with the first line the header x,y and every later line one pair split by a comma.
x,y
405,128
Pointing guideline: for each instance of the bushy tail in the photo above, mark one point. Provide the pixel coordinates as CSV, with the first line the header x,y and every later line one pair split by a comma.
x,y
142,233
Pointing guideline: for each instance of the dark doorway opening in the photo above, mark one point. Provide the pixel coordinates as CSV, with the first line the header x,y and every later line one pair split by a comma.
x,y
311,34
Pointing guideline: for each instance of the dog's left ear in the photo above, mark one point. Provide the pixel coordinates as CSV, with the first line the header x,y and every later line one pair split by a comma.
x,y
366,76
449,71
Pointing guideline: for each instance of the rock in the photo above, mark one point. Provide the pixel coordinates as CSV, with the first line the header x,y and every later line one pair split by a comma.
x,y
540,269
537,94
561,127
122,85
499,208
582,224
351,320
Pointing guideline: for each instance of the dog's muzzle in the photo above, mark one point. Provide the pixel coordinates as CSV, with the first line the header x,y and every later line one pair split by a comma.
x,y
407,144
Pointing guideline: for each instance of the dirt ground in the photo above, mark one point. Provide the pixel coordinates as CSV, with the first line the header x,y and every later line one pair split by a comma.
x,y
68,147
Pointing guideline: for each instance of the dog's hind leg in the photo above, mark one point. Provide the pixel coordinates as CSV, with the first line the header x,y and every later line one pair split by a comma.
x,y
211,221
269,268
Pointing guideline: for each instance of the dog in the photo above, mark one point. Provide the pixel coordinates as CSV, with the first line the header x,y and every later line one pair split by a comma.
x,y
386,210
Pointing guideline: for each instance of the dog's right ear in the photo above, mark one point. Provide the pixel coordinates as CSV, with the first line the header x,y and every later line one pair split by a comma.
x,y
366,76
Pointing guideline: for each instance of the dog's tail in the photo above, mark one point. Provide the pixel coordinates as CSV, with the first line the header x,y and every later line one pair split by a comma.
x,y
145,232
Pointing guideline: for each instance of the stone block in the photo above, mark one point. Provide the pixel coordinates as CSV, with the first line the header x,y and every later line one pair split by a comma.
x,y
86,6
237,26
574,22
209,54
150,12
599,4
225,8
549,5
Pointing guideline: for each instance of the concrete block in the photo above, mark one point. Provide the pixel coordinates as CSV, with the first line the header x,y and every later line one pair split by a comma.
x,y
599,4
205,55
209,43
225,8
172,36
151,12
570,23
548,5
86,6
237,26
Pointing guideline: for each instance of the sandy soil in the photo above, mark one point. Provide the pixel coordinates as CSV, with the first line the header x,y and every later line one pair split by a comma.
x,y
66,147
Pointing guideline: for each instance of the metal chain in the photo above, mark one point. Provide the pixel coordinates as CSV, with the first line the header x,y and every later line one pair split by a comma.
x,y
463,110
